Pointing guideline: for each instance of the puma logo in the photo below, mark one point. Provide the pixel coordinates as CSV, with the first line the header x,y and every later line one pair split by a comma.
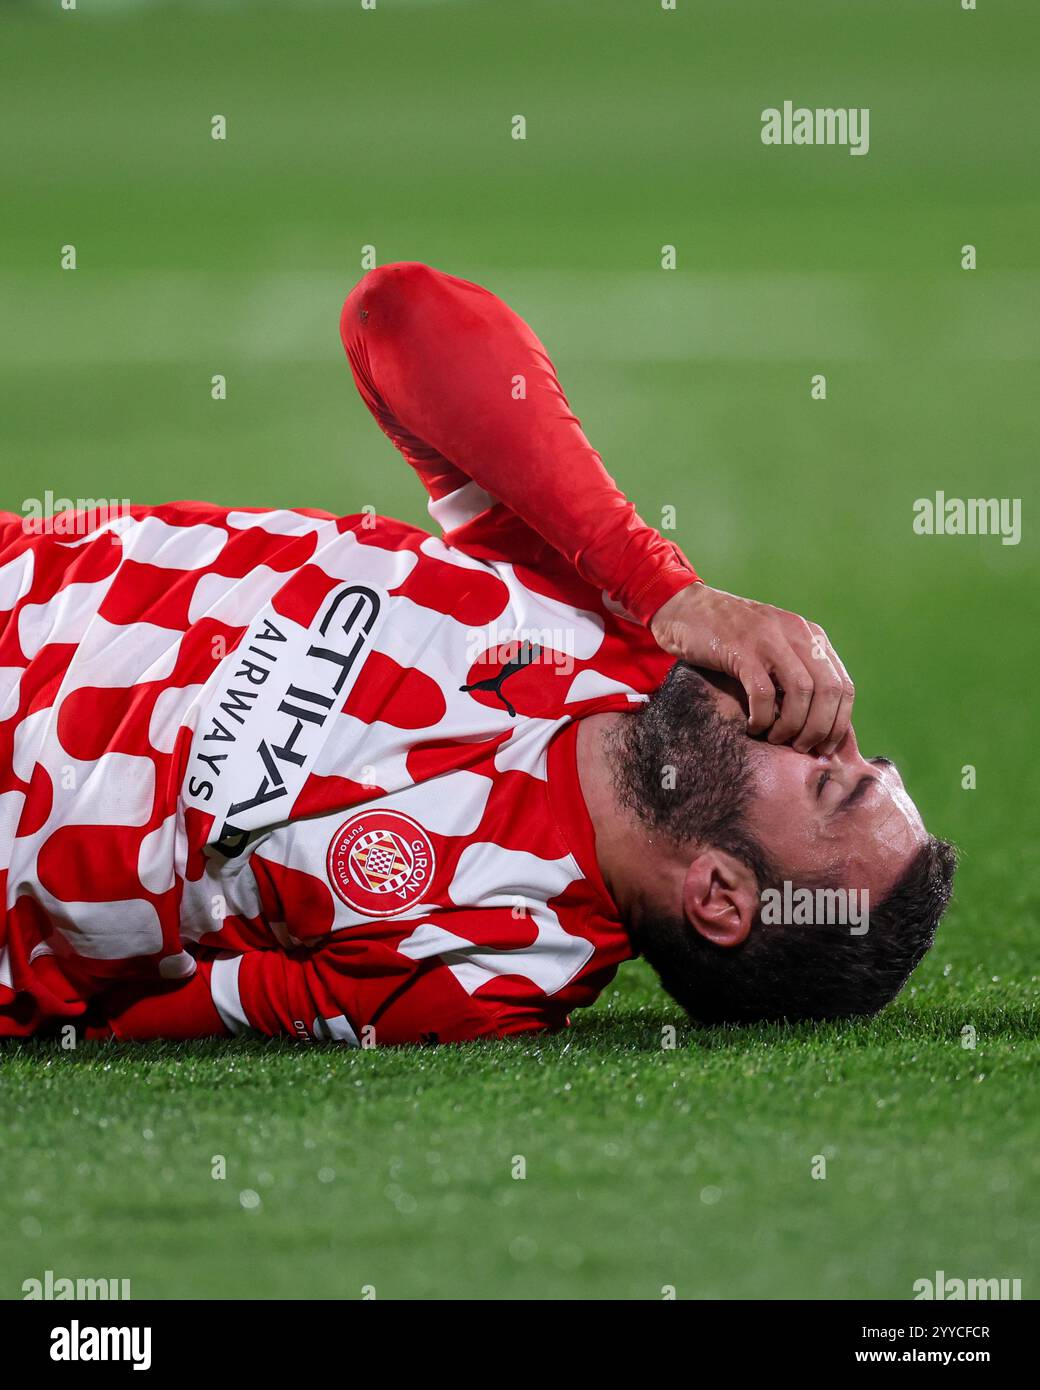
x,y
526,653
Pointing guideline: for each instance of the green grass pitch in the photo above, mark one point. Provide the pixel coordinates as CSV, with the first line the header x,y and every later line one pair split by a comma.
x,y
646,1167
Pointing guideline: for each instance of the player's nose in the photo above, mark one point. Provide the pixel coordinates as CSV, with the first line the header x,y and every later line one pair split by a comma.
x,y
846,760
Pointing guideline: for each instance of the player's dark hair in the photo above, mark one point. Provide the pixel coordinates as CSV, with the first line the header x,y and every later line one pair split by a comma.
x,y
789,972
683,770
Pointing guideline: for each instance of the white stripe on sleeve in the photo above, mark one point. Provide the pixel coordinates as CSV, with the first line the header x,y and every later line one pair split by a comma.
x,y
459,506
223,984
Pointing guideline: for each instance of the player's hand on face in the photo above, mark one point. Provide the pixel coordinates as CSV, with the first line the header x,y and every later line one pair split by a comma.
x,y
795,682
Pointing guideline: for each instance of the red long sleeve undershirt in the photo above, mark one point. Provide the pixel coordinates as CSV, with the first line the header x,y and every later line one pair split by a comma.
x,y
466,391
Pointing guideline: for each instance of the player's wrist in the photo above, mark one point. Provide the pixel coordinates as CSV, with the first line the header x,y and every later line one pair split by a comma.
x,y
678,605
659,589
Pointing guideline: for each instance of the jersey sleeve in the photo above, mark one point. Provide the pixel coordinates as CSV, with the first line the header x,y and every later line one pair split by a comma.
x,y
341,992
468,394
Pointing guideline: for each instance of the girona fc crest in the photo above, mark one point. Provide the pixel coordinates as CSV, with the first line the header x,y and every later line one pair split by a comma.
x,y
381,862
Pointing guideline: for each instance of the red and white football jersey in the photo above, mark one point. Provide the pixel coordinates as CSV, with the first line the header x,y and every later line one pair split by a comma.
x,y
314,775
303,774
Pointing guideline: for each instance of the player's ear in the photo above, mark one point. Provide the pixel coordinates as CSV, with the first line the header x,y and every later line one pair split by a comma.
x,y
720,897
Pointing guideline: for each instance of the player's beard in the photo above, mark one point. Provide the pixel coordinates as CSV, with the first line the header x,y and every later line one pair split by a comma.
x,y
684,771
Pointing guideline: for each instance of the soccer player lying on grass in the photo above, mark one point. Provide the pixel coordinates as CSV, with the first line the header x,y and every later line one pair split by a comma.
x,y
336,778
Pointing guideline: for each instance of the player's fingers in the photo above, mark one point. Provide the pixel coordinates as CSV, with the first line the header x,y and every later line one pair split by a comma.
x,y
842,725
843,714
842,720
827,693
761,695
798,686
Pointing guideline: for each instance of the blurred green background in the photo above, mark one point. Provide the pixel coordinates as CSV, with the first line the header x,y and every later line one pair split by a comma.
x,y
392,128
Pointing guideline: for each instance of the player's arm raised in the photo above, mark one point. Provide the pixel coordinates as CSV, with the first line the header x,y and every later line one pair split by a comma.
x,y
468,393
